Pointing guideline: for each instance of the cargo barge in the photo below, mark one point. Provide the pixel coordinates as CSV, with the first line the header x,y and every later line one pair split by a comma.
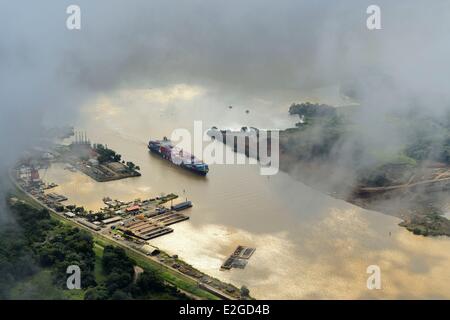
x,y
165,149
182,206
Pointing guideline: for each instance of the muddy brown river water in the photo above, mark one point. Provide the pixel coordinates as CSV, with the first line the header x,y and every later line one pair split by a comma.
x,y
308,245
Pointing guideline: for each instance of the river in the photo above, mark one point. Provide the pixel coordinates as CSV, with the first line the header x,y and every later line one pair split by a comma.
x,y
308,245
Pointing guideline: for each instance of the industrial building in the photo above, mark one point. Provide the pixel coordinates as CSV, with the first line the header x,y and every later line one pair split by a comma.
x,y
112,220
145,229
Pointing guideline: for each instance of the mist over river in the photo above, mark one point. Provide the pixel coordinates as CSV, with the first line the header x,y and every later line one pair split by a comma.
x,y
308,244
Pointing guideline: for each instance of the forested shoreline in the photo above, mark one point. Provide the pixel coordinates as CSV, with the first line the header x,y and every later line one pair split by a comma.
x,y
35,251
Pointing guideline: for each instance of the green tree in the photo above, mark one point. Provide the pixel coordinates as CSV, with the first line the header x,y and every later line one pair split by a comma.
x,y
96,293
245,292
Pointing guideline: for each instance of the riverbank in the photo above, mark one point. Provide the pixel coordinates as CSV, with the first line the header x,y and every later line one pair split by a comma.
x,y
170,275
303,237
415,202
420,209
96,161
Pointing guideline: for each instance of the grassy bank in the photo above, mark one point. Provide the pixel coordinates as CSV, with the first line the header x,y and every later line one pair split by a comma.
x,y
178,280
170,276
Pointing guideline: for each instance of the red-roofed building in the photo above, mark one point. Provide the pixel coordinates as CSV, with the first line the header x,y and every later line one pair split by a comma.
x,y
133,208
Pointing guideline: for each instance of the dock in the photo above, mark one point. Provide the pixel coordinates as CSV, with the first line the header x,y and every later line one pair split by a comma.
x,y
145,229
56,197
239,258
169,218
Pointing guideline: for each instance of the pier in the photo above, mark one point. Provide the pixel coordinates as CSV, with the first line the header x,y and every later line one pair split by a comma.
x,y
239,258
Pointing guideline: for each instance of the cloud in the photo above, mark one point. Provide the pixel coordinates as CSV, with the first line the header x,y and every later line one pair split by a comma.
x,y
255,47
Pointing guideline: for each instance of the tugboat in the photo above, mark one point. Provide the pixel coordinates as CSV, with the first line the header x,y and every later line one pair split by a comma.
x,y
165,149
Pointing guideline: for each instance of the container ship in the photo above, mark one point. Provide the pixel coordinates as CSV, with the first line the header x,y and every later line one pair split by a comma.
x,y
177,156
